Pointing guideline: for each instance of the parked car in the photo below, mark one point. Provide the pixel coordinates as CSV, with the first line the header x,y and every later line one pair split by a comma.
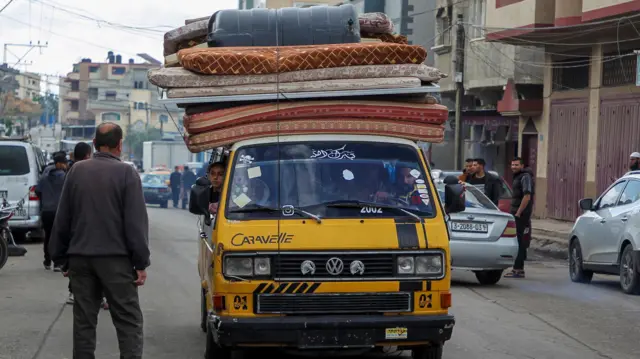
x,y
505,195
156,191
21,164
482,238
605,239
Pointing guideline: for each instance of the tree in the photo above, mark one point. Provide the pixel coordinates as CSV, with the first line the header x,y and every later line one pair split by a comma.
x,y
134,140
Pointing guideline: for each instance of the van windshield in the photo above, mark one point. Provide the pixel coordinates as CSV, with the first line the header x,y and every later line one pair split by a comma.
x,y
14,161
315,176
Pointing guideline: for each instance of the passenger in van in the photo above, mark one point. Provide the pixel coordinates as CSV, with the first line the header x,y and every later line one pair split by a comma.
x,y
215,173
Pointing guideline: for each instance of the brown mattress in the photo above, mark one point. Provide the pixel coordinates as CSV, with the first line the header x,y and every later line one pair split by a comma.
x,y
304,110
410,130
181,37
269,60
397,39
375,22
289,87
180,77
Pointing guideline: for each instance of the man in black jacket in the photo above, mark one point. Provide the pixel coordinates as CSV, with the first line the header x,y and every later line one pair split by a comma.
x,y
102,232
522,209
49,189
175,180
188,180
489,184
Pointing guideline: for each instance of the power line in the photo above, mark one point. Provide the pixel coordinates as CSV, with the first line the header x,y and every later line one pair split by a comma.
x,y
5,6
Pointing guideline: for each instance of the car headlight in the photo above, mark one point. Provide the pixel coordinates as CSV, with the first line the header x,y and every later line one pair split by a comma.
x,y
247,266
427,264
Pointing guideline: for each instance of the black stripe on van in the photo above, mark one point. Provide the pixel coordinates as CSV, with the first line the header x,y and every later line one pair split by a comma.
x,y
407,234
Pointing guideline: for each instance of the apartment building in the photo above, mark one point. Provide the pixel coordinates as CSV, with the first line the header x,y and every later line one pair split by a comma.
x,y
114,91
589,122
29,85
492,71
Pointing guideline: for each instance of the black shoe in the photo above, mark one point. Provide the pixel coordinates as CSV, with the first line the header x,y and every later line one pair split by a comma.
x,y
47,265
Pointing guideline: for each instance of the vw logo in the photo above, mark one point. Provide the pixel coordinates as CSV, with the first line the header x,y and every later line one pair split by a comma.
x,y
308,267
356,267
335,266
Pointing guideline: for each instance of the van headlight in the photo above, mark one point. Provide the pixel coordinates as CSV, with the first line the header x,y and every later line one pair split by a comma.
x,y
247,266
426,264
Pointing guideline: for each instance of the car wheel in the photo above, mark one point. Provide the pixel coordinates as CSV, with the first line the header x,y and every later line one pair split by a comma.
x,y
164,204
427,352
489,277
213,351
203,311
577,273
629,278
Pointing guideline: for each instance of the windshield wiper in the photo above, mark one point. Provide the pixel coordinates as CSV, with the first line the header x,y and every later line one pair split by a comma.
x,y
260,208
355,203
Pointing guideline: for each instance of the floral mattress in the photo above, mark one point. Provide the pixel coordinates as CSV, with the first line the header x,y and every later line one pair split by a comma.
x,y
270,60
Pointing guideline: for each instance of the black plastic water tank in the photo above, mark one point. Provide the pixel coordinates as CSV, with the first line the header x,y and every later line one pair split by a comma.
x,y
316,25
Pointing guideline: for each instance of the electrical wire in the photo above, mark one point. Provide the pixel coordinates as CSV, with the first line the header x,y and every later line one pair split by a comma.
x,y
6,5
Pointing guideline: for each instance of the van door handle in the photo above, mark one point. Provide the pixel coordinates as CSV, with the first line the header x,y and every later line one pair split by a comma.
x,y
603,220
624,219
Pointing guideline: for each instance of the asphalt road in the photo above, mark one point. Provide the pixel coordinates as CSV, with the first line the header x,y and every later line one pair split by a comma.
x,y
543,316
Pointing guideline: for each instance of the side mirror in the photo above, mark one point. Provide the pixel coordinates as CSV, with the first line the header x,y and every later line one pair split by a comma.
x,y
454,197
199,197
586,204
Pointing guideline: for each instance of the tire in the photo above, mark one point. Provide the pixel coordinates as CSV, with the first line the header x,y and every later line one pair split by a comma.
x,y
213,351
203,311
576,272
164,204
4,249
489,277
629,278
427,352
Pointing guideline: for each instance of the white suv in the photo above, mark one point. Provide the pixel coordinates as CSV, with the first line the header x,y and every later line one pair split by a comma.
x,y
606,238
21,164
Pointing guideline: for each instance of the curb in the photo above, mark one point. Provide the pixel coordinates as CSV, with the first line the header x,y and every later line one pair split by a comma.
x,y
550,247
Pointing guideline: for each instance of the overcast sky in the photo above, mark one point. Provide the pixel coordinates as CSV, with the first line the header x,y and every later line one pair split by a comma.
x,y
74,31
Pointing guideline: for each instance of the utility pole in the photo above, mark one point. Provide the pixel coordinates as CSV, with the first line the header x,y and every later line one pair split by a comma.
x,y
459,79
30,46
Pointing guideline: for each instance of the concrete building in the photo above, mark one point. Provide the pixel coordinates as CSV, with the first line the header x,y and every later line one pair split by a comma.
x,y
488,133
589,121
29,85
95,92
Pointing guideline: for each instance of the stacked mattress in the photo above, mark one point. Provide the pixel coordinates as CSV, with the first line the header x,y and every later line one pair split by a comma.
x,y
385,62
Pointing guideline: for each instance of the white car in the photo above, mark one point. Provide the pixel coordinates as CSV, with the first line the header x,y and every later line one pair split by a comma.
x,y
606,238
21,164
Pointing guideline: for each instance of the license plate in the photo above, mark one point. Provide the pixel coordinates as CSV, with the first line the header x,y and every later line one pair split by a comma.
x,y
469,227
396,333
20,213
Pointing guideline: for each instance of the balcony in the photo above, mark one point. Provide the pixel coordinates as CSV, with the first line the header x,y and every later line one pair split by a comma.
x,y
73,115
73,76
511,19
72,95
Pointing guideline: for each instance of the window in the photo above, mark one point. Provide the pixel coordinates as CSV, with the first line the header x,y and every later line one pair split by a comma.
x,y
312,175
139,105
94,69
110,117
75,105
478,13
138,84
610,198
14,161
631,193
443,31
163,118
474,198
93,93
110,95
75,85
118,70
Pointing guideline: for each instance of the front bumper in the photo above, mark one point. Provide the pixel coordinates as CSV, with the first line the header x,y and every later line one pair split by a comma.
x,y
156,197
483,255
333,331
31,223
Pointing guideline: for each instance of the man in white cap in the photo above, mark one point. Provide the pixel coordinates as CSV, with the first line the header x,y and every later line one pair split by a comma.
x,y
634,161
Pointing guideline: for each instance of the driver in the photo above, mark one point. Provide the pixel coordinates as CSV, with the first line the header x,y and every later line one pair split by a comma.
x,y
405,189
215,173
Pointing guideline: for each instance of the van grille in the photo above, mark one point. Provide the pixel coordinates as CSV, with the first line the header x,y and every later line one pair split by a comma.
x,y
334,303
376,265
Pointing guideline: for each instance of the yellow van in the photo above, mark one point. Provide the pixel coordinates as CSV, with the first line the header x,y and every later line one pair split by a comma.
x,y
326,243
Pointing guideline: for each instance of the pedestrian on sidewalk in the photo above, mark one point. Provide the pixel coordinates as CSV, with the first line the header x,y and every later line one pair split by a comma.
x,y
634,161
49,189
467,172
101,235
489,184
174,182
188,180
522,209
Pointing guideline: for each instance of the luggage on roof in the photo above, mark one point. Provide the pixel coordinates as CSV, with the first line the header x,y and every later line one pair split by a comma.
x,y
316,25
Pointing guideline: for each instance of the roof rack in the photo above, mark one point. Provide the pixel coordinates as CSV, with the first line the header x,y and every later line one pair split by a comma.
x,y
425,89
21,139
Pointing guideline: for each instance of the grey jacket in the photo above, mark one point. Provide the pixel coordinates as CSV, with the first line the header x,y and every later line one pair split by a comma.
x,y
101,213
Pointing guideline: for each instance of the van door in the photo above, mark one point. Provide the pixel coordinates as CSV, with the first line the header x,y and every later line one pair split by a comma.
x,y
14,175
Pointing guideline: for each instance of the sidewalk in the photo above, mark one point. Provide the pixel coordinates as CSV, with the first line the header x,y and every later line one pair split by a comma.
x,y
550,237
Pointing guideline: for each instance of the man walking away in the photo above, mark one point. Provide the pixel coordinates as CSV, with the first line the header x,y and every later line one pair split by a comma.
x,y
174,181
522,209
634,161
49,189
467,172
101,231
188,180
489,184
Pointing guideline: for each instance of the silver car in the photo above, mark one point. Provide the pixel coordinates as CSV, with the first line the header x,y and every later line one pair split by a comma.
x,y
483,238
606,238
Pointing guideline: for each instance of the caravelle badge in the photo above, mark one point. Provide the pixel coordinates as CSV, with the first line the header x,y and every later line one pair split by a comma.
x,y
334,266
356,267
308,268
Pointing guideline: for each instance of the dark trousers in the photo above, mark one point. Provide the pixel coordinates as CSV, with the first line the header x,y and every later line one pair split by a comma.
x,y
90,276
175,194
47,225
185,197
523,230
